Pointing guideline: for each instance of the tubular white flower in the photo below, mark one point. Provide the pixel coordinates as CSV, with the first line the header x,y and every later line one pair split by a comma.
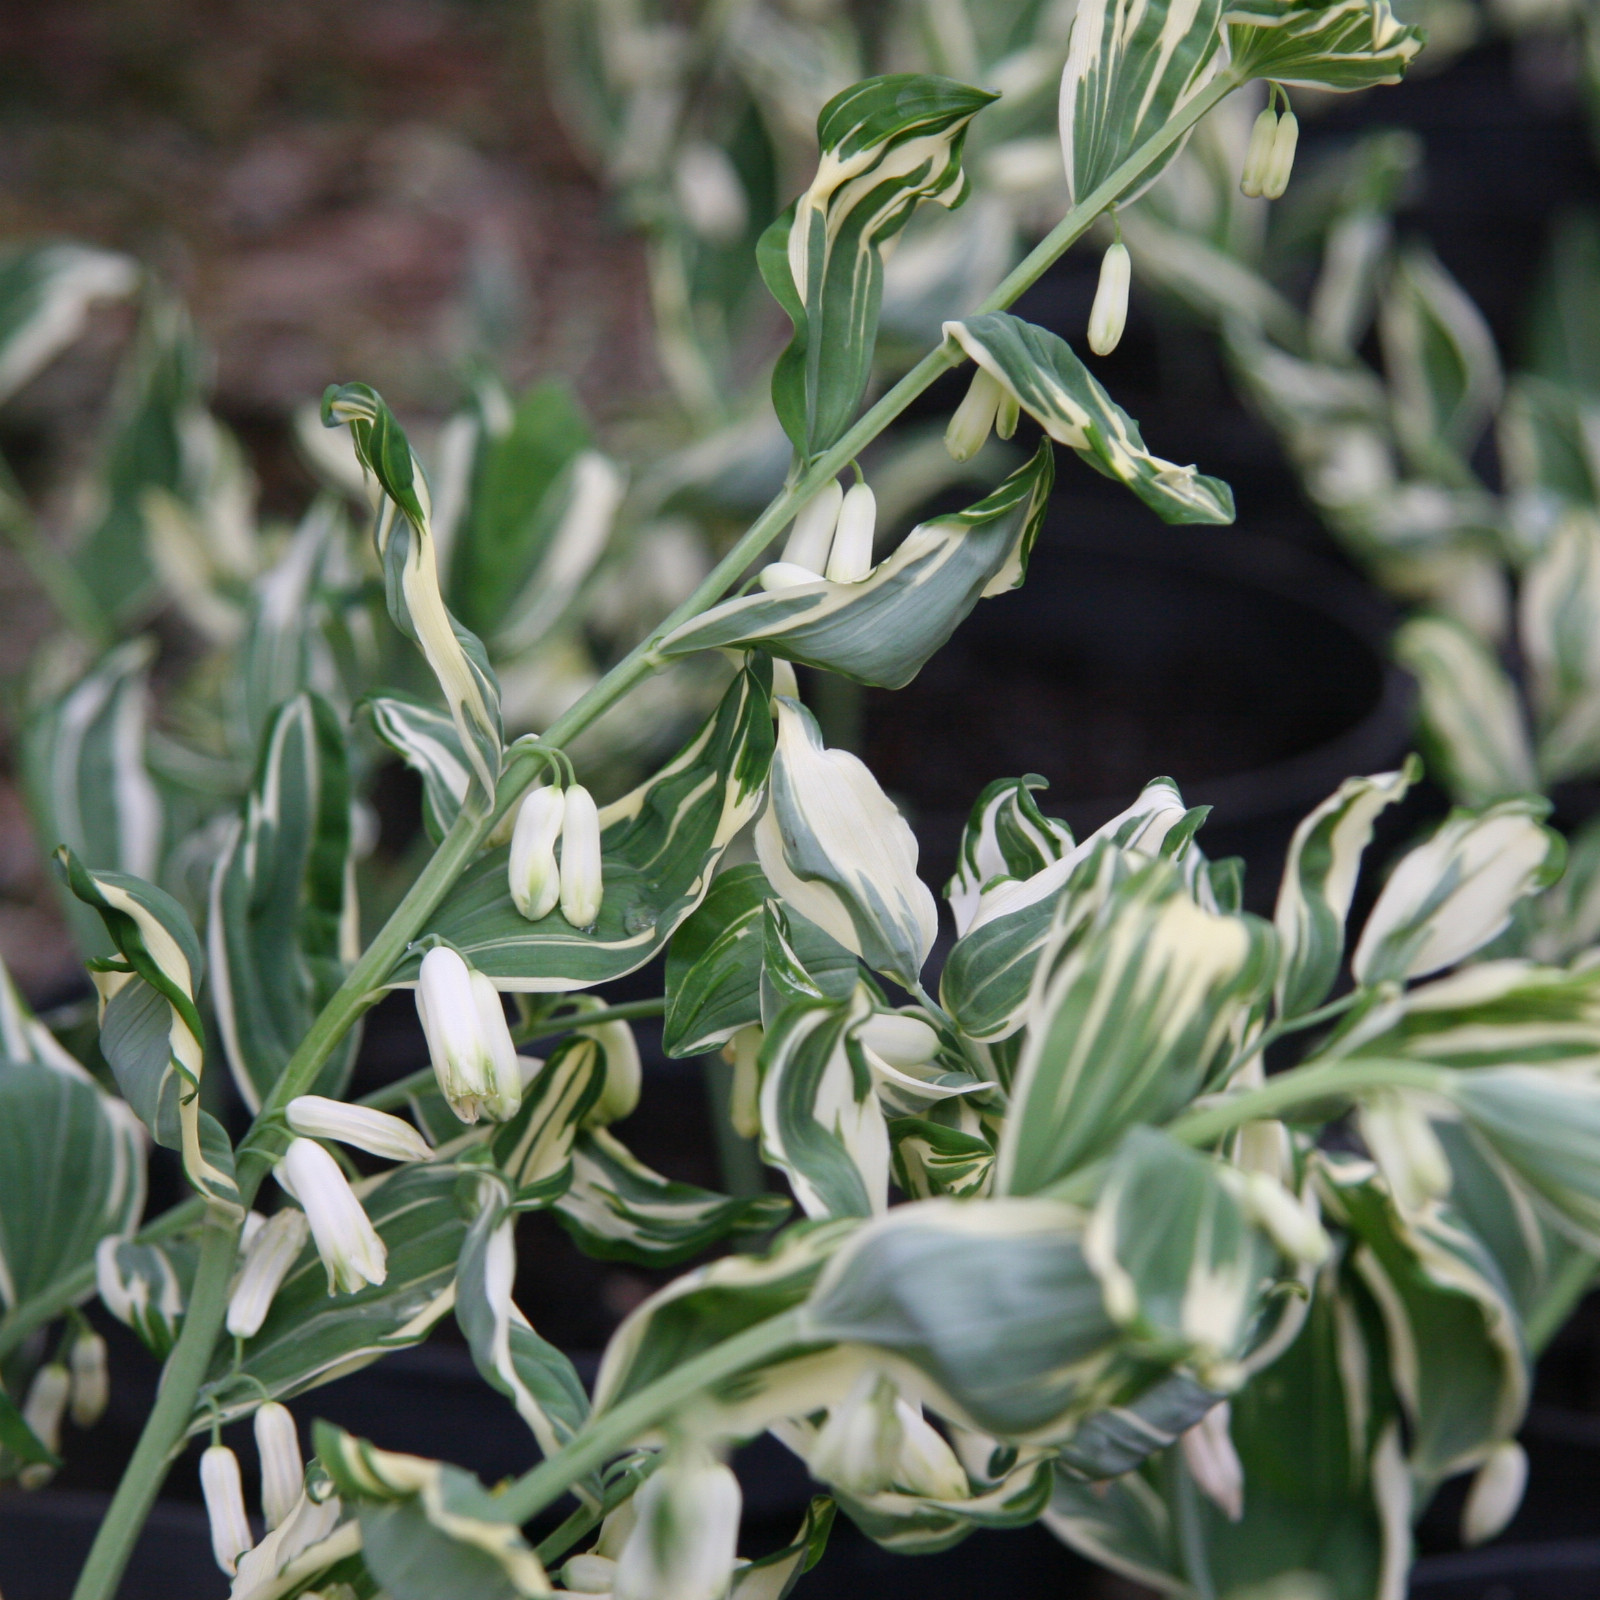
x,y
1109,314
685,1536
850,559
900,1040
224,1493
274,1249
474,1059
1007,414
582,888
91,1383
969,425
42,1410
1259,153
363,1128
534,877
1290,1224
351,1251
1213,1462
811,537
777,576
1495,1494
1280,160
283,1468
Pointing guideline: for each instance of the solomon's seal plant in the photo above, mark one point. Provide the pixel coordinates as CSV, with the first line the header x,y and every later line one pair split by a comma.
x,y
1060,1248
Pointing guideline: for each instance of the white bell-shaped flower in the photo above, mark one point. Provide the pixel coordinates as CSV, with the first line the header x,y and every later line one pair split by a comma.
x,y
1109,314
91,1382
968,429
274,1249
811,537
582,889
535,878
474,1060
1280,160
1258,153
223,1489
42,1409
850,558
283,1468
361,1127
352,1253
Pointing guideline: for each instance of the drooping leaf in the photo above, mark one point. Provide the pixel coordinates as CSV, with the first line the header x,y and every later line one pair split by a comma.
x,y
883,629
659,847
1348,44
403,533
1007,836
425,738
618,1209
1053,386
278,933
923,1525
886,143
773,1577
714,963
1559,619
146,1286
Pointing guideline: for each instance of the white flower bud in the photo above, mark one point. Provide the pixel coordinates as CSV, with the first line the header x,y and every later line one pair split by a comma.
x,y
709,192
1258,153
743,1053
275,1248
1109,314
361,1127
1406,1148
1280,162
811,537
926,1464
1007,415
1495,1494
589,1574
969,426
474,1059
1213,1462
224,1493
534,877
777,576
91,1384
1291,1226
581,885
685,1536
283,1468
42,1410
850,559
351,1251
900,1040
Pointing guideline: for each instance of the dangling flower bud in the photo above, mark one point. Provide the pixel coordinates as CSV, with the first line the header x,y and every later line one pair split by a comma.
x,y
275,1248
968,430
581,886
535,878
1495,1494
91,1385
811,537
850,559
352,1253
1280,163
474,1059
777,576
1213,1462
1258,153
224,1492
1007,415
685,1538
1291,1226
283,1468
361,1127
1109,314
43,1410
619,1096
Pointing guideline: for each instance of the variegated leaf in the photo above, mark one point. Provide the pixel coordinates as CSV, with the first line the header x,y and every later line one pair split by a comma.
x,y
883,629
1346,44
820,1118
1122,1437
659,845
72,1172
279,931
1137,1006
404,535
146,1287
773,1577
311,1337
1054,387
530,1372
150,1029
1130,70
1475,729
914,1525
1007,836
618,1209
1319,881
1559,616
425,738
714,963
934,1158
886,144
45,295
534,1149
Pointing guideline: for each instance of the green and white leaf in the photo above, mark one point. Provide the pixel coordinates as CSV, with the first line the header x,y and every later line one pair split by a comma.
x,y
773,1577
425,738
660,846
714,963
280,931
1319,881
146,1286
886,144
1559,617
884,628
1050,383
1007,836
1348,44
933,1158
45,295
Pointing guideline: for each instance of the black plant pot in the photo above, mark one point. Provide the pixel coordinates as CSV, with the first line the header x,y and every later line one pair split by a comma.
x,y
1250,670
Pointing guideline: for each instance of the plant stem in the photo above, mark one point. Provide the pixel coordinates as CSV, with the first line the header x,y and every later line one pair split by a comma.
x,y
571,1021
613,1431
1311,1019
587,1517
167,1425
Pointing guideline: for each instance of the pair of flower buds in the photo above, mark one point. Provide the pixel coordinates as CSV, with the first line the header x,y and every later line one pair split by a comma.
x,y
539,875
1269,159
831,538
78,1386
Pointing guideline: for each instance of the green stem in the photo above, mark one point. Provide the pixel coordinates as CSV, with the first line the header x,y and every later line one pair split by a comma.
x,y
587,1517
1312,1019
611,1432
167,1425
571,1021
